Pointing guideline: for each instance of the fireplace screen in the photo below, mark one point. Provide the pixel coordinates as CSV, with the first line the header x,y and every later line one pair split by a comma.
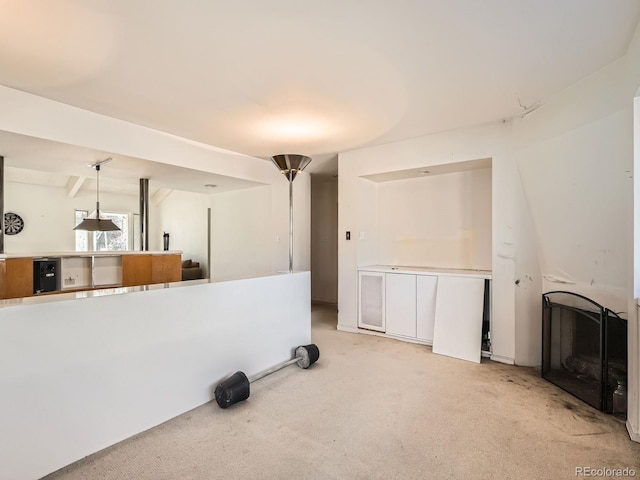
x,y
584,347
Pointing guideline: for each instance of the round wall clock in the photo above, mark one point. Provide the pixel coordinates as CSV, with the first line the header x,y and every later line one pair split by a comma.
x,y
13,223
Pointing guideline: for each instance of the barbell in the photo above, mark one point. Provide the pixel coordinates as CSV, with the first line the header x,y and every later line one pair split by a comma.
x,y
236,388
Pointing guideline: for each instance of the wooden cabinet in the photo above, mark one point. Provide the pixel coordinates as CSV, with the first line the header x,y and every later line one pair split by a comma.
x,y
400,304
166,268
87,271
136,270
18,277
150,269
3,282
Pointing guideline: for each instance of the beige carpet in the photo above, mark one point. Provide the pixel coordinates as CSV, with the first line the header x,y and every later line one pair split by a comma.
x,y
376,408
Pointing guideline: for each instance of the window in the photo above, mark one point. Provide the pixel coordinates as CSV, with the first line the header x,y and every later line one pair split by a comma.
x,y
103,241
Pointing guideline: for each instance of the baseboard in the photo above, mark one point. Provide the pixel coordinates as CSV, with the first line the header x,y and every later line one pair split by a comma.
x,y
342,328
635,436
501,359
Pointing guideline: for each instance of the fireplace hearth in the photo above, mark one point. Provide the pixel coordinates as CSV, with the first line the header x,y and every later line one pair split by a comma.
x,y
584,347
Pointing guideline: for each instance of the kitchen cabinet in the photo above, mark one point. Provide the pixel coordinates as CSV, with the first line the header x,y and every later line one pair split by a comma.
x,y
18,277
371,300
136,270
444,308
426,289
90,270
400,304
166,268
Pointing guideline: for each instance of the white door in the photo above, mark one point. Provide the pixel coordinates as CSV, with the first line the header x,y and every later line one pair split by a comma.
x,y
458,328
400,304
371,301
426,288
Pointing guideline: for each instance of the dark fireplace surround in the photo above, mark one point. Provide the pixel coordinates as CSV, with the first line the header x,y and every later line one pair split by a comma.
x,y
584,347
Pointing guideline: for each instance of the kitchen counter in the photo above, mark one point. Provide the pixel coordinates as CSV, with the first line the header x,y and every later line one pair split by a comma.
x,y
87,254
453,272
23,274
118,290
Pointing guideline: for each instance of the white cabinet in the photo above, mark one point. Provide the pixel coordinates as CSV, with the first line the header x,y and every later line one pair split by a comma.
x,y
400,304
76,272
91,271
426,290
443,309
107,270
371,301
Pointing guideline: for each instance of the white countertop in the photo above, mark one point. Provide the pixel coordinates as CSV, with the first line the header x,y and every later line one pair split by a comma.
x,y
102,292
88,254
455,272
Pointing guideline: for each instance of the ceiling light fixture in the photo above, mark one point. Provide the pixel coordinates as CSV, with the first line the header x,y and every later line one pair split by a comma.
x,y
290,165
97,224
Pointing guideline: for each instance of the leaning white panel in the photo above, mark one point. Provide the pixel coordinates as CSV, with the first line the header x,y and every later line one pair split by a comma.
x,y
458,324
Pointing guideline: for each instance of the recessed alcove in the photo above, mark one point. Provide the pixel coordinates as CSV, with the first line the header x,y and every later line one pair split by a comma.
x,y
430,216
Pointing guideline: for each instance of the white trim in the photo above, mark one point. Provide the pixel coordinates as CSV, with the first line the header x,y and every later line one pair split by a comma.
x,y
342,328
502,359
635,436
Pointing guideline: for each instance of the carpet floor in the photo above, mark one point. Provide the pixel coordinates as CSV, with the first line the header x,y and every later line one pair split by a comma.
x,y
378,408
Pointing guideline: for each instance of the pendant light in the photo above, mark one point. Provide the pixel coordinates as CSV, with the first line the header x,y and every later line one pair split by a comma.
x,y
290,165
97,224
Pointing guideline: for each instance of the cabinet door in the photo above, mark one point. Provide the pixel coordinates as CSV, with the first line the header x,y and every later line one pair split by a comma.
x,y
136,270
18,277
400,304
166,268
426,288
371,301
458,329
107,270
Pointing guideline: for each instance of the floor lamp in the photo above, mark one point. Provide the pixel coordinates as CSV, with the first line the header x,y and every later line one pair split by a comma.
x,y
290,165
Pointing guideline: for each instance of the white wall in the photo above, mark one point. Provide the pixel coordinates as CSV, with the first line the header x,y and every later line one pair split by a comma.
x,y
575,154
359,204
439,221
579,186
183,215
301,223
35,116
241,239
79,375
324,240
49,218
562,208
250,229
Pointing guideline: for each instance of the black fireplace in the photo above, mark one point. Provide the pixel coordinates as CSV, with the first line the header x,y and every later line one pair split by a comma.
x,y
584,347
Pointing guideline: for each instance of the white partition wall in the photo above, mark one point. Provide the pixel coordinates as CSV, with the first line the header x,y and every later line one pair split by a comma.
x,y
79,375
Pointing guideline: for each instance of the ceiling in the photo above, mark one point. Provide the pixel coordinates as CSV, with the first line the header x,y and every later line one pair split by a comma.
x,y
38,161
309,77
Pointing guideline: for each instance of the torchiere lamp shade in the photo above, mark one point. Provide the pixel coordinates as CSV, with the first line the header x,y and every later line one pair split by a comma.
x,y
290,163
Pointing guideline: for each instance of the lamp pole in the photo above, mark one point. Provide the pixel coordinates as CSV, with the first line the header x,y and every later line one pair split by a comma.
x,y
290,165
290,221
